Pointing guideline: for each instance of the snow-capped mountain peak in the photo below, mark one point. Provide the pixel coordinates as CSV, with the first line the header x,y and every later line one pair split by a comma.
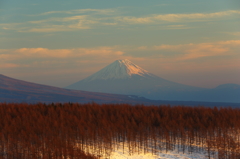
x,y
132,68
124,77
120,69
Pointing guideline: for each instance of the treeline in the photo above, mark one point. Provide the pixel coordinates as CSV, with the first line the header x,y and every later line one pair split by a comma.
x,y
71,130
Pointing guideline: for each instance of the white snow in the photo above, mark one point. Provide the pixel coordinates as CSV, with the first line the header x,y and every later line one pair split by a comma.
x,y
120,69
120,153
162,155
132,68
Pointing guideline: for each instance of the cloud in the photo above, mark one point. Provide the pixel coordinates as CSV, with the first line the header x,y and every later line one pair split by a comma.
x,y
56,28
189,52
31,55
9,26
79,11
230,42
59,23
194,51
66,24
236,33
42,53
176,17
10,65
57,19
181,52
93,18
164,60
232,33
39,63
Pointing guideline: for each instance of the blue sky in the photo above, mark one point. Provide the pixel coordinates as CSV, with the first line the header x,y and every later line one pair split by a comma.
x,y
60,42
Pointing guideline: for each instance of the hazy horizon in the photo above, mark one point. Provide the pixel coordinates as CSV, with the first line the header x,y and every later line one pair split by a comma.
x,y
61,42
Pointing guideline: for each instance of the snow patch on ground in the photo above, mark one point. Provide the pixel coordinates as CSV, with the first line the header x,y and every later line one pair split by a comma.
x,y
160,156
123,153
118,154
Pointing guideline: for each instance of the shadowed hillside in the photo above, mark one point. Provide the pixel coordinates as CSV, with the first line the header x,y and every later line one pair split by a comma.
x,y
13,90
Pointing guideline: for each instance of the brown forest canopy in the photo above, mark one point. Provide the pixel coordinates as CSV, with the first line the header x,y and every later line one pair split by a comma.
x,y
64,130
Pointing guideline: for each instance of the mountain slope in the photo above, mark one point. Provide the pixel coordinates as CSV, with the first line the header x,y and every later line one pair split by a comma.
x,y
125,77
18,91
13,90
223,93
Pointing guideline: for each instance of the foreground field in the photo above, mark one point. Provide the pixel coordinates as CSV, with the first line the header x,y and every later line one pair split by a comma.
x,y
107,131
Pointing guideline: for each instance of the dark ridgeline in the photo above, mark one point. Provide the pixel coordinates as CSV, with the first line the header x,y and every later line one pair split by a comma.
x,y
68,130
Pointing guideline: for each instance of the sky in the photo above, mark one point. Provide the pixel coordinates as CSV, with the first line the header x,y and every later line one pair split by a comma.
x,y
60,42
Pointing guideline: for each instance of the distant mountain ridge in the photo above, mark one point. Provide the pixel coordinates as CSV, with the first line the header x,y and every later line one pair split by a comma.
x,y
13,90
125,77
18,91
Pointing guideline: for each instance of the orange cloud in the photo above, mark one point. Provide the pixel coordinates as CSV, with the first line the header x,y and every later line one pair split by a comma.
x,y
194,51
178,17
43,54
82,62
11,65
102,51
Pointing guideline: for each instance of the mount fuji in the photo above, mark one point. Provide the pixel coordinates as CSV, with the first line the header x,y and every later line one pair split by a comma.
x,y
125,77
